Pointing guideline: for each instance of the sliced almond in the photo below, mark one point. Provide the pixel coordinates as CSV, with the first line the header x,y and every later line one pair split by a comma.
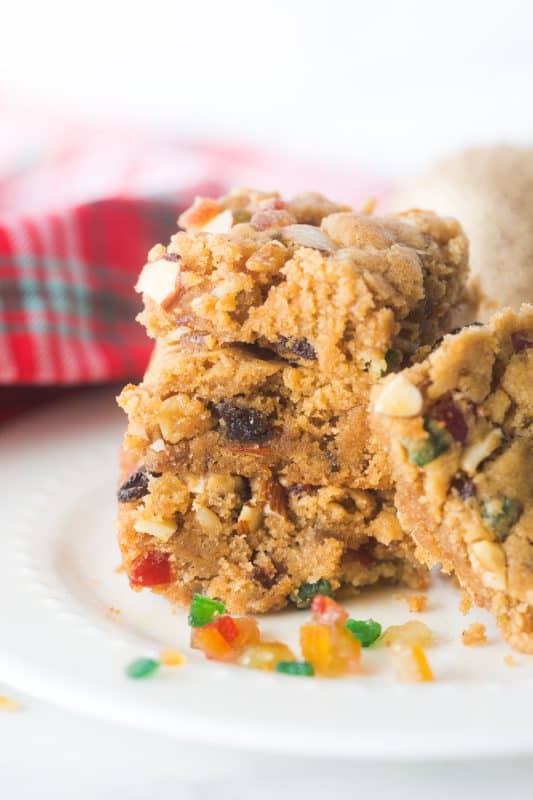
x,y
162,529
158,280
250,519
399,398
222,223
207,519
477,452
158,446
308,236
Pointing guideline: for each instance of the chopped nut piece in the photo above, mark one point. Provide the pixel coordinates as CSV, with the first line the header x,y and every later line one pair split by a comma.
x,y
399,398
207,519
250,519
158,280
474,635
222,223
199,214
475,453
158,446
488,559
181,417
309,236
162,529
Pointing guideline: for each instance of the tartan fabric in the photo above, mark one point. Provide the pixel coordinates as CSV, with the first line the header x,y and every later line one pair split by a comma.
x,y
78,214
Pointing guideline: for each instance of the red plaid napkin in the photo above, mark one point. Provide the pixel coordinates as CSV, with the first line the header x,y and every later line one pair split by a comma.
x,y
78,214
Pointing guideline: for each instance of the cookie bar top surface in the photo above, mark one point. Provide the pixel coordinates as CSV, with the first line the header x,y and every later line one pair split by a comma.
x,y
306,278
458,427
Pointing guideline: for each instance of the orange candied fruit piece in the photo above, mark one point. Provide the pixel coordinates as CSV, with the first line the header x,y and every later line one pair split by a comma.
x,y
265,655
410,663
326,611
331,649
171,657
224,637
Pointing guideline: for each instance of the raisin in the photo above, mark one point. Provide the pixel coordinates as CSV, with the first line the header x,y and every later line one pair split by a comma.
x,y
327,446
464,487
171,256
296,346
241,424
501,513
452,418
135,487
521,341
393,359
266,580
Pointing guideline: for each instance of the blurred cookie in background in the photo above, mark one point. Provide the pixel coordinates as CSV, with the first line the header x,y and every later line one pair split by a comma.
x,y
490,191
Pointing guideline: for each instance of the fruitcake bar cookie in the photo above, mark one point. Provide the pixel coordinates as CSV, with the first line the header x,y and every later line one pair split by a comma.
x,y
307,279
246,410
458,427
257,543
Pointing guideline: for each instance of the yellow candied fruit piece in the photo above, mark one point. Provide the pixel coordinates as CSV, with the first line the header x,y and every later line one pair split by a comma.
x,y
6,704
410,633
410,663
265,656
171,657
331,649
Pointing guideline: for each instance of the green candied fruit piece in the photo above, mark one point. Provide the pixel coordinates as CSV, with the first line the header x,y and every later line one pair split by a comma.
x,y
500,513
303,597
142,668
203,609
422,451
367,631
392,359
295,668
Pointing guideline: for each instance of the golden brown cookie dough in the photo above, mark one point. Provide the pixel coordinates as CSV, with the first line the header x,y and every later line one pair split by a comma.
x,y
250,466
458,428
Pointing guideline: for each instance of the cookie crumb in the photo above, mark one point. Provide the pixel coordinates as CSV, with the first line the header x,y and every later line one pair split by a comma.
x,y
416,602
6,704
465,603
510,661
474,635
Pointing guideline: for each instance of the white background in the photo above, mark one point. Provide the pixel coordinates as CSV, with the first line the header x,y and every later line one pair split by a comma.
x,y
388,85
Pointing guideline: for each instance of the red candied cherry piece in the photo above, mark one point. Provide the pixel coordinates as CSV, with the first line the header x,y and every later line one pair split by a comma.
x,y
227,627
451,416
521,341
151,569
327,611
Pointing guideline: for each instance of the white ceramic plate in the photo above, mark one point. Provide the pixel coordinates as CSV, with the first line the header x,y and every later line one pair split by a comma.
x,y
61,642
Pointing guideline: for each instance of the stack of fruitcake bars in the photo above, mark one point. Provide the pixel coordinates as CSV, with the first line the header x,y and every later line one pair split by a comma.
x,y
249,468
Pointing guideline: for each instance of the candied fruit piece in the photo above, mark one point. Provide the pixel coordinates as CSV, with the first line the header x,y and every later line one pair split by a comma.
x,y
211,642
393,359
171,657
142,668
447,412
295,668
501,513
331,649
247,633
464,487
410,663
241,424
134,487
151,569
327,611
203,609
414,632
227,627
366,631
422,451
304,595
265,655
